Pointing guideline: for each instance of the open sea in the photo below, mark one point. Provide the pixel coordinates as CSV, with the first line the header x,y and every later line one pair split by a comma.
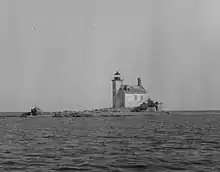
x,y
180,142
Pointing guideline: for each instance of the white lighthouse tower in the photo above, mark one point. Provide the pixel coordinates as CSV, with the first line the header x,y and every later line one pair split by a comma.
x,y
117,82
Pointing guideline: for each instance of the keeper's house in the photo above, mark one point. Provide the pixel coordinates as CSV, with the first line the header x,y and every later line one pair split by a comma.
x,y
127,96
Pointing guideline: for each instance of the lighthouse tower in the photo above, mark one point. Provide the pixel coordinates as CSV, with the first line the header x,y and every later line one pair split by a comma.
x,y
117,82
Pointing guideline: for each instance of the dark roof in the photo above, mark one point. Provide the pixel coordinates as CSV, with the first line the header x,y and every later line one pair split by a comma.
x,y
117,73
133,89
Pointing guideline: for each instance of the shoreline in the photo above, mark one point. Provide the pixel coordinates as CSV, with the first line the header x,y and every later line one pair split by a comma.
x,y
104,112
111,114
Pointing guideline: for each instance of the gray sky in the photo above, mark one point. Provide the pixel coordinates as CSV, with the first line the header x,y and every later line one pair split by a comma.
x,y
62,54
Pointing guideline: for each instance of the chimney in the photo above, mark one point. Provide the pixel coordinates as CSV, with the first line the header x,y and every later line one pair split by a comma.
x,y
139,81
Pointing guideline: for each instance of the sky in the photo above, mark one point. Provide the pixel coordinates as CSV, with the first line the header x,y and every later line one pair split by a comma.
x,y
62,54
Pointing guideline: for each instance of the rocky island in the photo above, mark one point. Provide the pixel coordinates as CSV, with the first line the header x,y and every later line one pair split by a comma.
x,y
126,100
144,108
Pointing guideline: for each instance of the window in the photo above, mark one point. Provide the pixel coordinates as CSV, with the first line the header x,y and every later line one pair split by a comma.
x,y
142,97
135,97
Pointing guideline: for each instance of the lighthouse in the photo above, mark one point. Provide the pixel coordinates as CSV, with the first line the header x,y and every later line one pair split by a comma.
x,y
117,82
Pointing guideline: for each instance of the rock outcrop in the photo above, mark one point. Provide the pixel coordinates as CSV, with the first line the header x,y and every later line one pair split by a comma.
x,y
88,113
142,107
102,112
25,114
34,112
150,105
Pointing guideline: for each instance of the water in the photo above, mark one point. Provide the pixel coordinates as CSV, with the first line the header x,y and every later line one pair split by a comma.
x,y
115,144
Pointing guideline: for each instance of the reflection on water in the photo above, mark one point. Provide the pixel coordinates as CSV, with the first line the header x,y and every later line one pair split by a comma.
x,y
132,143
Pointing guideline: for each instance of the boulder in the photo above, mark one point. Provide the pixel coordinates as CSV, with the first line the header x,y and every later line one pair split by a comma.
x,y
136,109
143,106
36,111
57,114
25,114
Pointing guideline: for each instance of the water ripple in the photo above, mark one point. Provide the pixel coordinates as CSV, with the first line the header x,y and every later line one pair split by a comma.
x,y
122,144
